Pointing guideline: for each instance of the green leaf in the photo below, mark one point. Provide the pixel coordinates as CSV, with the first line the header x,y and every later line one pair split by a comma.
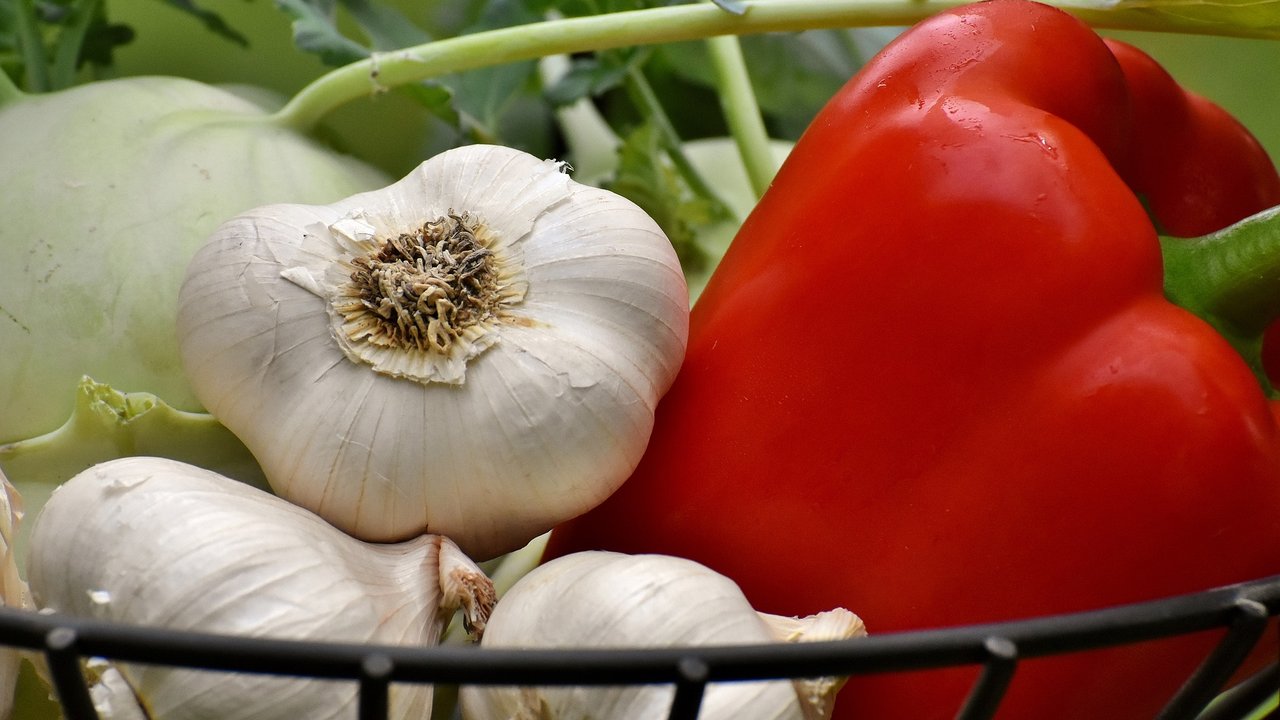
x,y
437,98
102,40
387,27
49,41
315,30
647,177
793,75
211,21
593,75
484,96
488,98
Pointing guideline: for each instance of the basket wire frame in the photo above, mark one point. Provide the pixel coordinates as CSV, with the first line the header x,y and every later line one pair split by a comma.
x,y
1242,610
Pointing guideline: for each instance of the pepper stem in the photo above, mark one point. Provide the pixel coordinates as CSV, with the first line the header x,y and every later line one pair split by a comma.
x,y
1231,279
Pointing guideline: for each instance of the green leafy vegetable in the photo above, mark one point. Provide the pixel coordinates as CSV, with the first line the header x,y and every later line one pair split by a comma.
x,y
647,177
315,30
595,74
107,424
212,21
48,42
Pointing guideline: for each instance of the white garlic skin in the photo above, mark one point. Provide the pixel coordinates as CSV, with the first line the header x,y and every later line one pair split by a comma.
x,y
611,600
13,590
159,543
537,427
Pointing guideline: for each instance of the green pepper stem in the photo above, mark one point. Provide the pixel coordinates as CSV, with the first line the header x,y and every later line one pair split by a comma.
x,y
1230,278
741,111
663,25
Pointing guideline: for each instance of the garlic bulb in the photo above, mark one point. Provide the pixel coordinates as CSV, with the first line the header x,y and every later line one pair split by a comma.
x,y
475,350
160,543
13,591
611,600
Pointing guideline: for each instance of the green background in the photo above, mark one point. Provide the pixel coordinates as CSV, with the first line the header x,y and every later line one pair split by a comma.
x,y
390,131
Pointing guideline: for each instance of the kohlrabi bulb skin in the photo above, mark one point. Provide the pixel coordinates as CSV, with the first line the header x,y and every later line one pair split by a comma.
x,y
108,189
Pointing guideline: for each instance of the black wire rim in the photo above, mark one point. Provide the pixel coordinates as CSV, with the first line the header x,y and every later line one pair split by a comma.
x,y
1243,610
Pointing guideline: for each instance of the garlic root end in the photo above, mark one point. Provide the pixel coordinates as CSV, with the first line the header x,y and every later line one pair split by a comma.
x,y
464,586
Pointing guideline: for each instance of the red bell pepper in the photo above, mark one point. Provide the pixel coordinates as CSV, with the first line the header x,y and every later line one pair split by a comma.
x,y
936,379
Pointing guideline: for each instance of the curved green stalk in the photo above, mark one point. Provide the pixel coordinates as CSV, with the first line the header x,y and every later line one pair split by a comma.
x,y
741,111
1229,278
662,25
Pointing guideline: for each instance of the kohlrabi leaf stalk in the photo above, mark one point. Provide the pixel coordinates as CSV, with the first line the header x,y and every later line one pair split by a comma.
x,y
383,71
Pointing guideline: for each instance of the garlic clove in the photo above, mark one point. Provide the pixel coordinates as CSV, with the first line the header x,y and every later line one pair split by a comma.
x,y
611,600
159,543
476,350
112,697
13,591
817,695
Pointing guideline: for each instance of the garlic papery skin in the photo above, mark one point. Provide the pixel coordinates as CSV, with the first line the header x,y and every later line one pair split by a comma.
x,y
612,600
13,590
159,543
476,350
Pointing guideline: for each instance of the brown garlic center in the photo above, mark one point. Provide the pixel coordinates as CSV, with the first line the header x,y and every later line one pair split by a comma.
x,y
423,289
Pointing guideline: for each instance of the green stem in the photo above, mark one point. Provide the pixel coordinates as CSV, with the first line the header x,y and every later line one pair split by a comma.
x,y
1231,278
660,25
66,55
644,96
31,46
741,111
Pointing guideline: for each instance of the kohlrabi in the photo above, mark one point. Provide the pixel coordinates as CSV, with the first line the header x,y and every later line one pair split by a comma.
x,y
108,189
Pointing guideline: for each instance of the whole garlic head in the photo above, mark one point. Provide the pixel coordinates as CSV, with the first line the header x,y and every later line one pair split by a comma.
x,y
476,350
159,543
612,600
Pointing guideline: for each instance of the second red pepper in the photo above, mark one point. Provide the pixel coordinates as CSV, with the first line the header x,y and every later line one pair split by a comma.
x,y
936,380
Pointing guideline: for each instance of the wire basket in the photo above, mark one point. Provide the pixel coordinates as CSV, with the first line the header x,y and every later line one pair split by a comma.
x,y
1243,610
